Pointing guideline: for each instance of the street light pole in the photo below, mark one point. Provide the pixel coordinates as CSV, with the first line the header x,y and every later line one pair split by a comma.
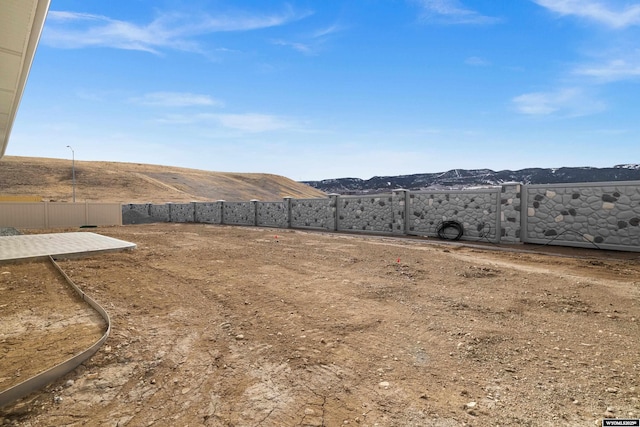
x,y
73,171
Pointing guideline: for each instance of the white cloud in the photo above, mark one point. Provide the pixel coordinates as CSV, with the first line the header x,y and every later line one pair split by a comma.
x,y
83,30
477,61
620,62
313,42
599,11
453,12
176,99
300,47
613,70
568,102
536,103
59,15
252,122
246,122
167,31
327,31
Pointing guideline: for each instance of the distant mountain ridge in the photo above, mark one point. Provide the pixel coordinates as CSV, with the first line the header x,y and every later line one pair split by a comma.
x,y
464,178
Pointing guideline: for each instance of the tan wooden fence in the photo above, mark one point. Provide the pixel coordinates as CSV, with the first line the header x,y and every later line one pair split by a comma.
x,y
46,215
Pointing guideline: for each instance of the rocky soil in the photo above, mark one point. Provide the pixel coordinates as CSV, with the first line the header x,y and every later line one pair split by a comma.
x,y
231,326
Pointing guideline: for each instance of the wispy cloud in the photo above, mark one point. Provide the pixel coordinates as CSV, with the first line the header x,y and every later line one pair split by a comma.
x,y
602,12
452,12
167,31
253,122
613,69
616,62
566,102
307,49
327,31
176,99
246,122
312,43
476,61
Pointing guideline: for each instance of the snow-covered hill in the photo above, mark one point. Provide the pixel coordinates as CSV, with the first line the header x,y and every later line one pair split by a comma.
x,y
463,178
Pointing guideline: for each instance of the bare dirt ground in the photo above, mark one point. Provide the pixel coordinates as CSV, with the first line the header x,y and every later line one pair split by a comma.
x,y
232,326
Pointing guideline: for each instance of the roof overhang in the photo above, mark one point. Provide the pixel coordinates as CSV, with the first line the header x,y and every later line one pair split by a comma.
x,y
21,23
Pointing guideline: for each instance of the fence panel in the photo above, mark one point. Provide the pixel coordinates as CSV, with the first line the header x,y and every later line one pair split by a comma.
x,y
58,214
104,214
604,215
23,215
62,215
366,213
209,212
239,213
317,214
272,214
477,210
182,212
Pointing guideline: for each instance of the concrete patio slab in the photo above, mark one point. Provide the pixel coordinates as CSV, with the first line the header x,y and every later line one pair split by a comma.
x,y
57,245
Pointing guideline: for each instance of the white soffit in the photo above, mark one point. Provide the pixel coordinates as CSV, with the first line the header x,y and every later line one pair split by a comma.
x,y
21,23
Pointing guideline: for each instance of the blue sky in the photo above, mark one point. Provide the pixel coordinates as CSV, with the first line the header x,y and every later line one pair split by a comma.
x,y
330,89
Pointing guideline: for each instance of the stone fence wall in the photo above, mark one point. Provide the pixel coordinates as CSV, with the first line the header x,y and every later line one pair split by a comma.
x,y
319,214
602,215
583,215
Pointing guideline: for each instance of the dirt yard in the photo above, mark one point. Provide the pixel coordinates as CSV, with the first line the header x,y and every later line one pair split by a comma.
x,y
232,326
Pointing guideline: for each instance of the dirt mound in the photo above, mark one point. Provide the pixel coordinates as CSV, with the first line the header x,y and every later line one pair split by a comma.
x,y
140,183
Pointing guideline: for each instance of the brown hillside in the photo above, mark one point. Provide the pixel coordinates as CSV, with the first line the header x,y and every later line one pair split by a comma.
x,y
138,183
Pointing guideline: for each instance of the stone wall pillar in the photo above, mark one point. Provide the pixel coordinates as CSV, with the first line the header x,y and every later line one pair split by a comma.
x,y
169,209
221,207
399,204
334,208
510,217
254,202
287,203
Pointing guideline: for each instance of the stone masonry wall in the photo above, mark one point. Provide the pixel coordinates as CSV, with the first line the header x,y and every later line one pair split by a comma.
x,y
273,214
606,215
313,213
239,213
209,212
160,212
366,213
136,214
144,213
182,212
510,213
477,210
